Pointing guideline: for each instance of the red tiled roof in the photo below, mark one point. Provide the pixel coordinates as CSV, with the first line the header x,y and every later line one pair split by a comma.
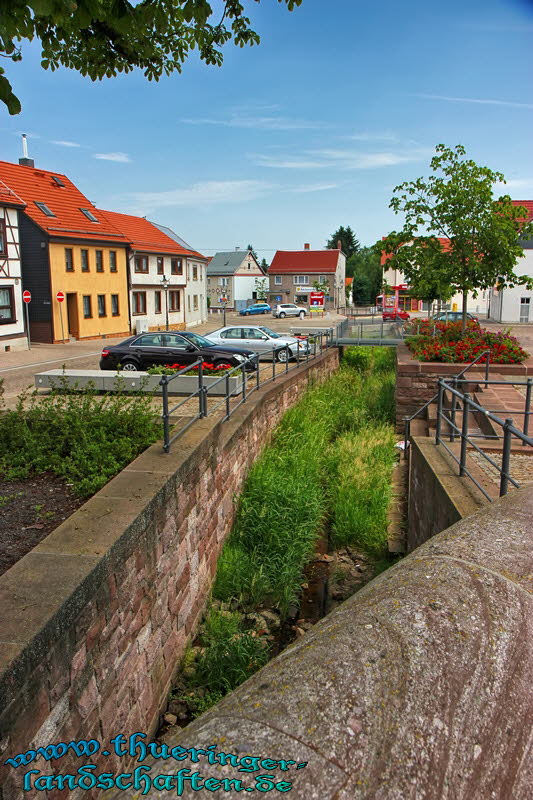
x,y
37,186
528,204
144,236
9,197
313,261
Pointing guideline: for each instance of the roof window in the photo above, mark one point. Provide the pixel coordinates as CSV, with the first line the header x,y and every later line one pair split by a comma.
x,y
44,208
57,180
88,214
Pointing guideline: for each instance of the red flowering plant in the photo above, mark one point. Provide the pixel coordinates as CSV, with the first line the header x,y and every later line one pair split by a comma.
x,y
444,341
207,368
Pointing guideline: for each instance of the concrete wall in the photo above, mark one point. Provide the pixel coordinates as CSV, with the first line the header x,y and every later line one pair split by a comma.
x,y
97,616
416,688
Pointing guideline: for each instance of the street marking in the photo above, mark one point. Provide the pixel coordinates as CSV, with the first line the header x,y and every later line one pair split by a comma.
x,y
55,361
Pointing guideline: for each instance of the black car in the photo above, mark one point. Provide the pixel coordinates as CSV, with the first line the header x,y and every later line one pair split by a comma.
x,y
168,347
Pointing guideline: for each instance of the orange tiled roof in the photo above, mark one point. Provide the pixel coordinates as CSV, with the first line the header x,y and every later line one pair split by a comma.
x,y
64,201
144,236
289,261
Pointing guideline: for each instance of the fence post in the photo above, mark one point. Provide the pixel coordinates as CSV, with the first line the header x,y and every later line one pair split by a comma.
x,y
258,372
439,410
506,457
243,370
487,367
287,356
228,410
201,391
307,350
406,434
454,409
297,352
274,356
527,407
464,433
166,422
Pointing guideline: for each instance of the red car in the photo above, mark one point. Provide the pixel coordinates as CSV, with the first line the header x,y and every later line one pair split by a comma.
x,y
395,313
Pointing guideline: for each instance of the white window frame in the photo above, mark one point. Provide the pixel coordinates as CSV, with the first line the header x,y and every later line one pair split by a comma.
x,y
278,280
301,280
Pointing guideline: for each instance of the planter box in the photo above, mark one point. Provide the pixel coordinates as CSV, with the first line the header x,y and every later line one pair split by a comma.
x,y
111,381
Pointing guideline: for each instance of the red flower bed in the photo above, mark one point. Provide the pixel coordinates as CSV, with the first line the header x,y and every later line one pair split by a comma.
x,y
445,342
207,369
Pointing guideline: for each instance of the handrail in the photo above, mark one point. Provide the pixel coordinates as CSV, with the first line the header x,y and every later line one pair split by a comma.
x,y
507,425
407,420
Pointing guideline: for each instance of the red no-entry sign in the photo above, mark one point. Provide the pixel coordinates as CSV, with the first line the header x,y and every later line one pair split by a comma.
x,y
26,296
60,296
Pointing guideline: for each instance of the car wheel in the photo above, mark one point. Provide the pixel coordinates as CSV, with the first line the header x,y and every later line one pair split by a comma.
x,y
281,356
301,314
130,366
282,315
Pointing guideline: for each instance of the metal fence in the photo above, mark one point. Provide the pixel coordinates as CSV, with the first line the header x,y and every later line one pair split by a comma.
x,y
252,376
462,402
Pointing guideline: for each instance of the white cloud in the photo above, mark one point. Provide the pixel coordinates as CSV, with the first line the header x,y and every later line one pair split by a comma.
x,y
477,100
65,144
314,187
523,186
373,137
122,158
337,158
201,194
269,123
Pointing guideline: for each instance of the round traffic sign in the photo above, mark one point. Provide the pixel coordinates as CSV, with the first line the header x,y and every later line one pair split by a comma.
x,y
60,296
26,296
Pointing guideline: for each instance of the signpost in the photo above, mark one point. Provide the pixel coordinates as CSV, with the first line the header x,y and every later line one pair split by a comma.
x,y
224,301
316,303
60,296
26,296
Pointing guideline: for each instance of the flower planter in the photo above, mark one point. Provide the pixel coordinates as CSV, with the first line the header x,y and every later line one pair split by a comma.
x,y
111,381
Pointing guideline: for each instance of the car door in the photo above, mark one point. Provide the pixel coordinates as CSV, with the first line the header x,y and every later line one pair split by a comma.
x,y
232,337
148,348
254,339
179,350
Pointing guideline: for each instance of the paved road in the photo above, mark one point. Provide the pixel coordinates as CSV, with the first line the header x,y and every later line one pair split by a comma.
x,y
18,368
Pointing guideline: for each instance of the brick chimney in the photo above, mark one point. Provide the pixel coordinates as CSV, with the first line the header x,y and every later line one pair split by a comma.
x,y
339,244
306,246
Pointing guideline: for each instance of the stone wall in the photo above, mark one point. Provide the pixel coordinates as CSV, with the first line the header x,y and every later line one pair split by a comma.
x,y
416,381
97,616
418,686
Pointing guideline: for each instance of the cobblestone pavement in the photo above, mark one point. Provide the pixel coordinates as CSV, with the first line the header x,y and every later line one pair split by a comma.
x,y
521,466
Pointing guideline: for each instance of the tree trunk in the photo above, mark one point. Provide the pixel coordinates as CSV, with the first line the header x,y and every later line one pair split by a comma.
x,y
465,304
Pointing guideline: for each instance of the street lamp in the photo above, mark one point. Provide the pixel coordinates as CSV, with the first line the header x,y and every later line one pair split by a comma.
x,y
165,283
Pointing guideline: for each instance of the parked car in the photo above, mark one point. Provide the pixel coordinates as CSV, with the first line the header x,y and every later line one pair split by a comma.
x,y
453,316
282,310
169,347
256,308
261,340
396,313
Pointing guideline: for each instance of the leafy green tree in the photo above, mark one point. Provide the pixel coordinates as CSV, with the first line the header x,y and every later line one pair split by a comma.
x,y
250,248
264,264
102,38
321,287
346,236
456,202
365,268
261,287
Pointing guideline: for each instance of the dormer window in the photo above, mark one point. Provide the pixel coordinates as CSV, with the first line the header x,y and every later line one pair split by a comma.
x,y
57,180
44,208
88,214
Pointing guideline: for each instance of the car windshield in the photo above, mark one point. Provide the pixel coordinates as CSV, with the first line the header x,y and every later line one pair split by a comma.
x,y
270,333
199,341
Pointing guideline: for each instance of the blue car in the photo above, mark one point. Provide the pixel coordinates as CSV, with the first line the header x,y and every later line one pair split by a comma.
x,y
256,308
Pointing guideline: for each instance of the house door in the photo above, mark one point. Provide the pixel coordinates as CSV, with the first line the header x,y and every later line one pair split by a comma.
x,y
73,323
524,309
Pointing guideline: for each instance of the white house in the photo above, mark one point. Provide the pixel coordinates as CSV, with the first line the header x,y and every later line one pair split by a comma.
x,y
516,305
166,277
12,321
237,276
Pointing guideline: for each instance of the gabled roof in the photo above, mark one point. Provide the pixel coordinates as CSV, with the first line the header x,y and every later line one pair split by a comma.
x,y
9,198
528,204
64,201
169,232
302,261
226,263
145,236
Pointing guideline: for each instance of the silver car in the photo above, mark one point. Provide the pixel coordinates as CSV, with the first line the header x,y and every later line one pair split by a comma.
x,y
288,310
261,340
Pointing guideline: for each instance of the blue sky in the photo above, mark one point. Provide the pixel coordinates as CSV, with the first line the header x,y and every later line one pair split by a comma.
x,y
310,130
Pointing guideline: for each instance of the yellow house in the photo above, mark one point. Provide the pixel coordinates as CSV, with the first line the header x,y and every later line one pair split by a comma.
x,y
69,250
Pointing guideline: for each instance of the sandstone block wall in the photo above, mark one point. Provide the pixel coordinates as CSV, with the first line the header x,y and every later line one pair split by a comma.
x,y
96,618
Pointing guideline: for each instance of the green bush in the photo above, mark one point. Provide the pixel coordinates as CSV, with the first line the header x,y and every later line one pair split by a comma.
x,y
81,437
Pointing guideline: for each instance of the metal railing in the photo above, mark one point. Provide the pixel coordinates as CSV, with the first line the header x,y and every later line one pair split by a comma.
x,y
509,430
251,374
407,420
